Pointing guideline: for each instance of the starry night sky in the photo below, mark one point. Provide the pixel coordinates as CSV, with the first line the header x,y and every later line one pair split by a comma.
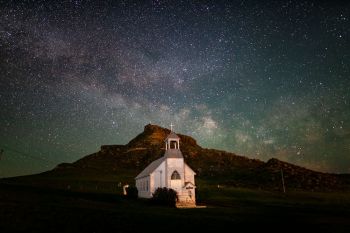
x,y
259,78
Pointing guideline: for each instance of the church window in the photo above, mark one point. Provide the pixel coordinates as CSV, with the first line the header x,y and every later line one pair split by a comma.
x,y
175,176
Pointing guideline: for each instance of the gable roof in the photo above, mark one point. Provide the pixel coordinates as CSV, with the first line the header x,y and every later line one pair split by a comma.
x,y
172,135
150,168
189,182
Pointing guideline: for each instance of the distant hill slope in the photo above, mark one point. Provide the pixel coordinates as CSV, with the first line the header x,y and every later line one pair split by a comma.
x,y
212,166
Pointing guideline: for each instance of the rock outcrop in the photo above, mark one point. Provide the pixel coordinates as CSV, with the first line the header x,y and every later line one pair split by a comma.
x,y
215,166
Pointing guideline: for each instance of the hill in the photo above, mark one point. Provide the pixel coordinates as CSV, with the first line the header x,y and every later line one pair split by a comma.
x,y
117,164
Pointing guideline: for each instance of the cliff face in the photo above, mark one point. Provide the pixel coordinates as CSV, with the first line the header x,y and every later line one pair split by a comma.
x,y
218,167
149,145
153,136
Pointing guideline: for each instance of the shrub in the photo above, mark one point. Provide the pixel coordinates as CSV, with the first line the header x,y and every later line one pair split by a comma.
x,y
131,192
165,196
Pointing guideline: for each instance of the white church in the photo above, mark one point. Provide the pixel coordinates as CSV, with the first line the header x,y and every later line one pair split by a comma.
x,y
169,171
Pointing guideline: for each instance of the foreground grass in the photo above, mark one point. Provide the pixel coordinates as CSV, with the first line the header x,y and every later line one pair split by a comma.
x,y
231,196
33,209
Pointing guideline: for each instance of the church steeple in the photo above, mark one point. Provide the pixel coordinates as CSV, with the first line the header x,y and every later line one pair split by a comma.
x,y
172,141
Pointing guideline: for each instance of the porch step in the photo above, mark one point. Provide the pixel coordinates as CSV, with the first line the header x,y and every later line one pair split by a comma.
x,y
185,205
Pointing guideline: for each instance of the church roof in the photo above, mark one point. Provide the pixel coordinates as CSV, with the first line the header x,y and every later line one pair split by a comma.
x,y
153,166
173,153
189,182
150,168
172,135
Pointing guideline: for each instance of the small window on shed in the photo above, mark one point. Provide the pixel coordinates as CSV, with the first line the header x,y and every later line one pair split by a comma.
x,y
175,176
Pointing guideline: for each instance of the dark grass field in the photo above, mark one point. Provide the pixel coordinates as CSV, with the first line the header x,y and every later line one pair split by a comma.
x,y
35,209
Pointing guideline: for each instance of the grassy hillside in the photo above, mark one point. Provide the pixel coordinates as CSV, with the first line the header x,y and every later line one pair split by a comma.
x,y
117,165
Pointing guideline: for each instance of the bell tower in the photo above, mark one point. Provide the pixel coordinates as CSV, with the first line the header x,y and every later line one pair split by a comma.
x,y
172,142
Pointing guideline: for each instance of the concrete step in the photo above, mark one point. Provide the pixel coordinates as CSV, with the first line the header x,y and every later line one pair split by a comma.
x,y
186,205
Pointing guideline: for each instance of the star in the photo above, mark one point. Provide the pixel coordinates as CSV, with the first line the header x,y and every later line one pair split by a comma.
x,y
247,77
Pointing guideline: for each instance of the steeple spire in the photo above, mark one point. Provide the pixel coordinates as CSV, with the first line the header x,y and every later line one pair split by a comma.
x,y
171,127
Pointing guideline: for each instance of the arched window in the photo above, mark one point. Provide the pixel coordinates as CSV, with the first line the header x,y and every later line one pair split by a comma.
x,y
175,176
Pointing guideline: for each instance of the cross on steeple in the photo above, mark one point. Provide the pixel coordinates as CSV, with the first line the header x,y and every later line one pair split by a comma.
x,y
171,127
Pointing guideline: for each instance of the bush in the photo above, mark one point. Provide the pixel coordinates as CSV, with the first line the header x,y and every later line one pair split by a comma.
x,y
131,192
165,196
